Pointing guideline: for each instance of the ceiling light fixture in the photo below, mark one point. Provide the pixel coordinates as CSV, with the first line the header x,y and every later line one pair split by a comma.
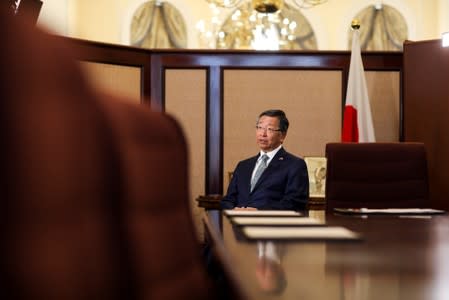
x,y
268,6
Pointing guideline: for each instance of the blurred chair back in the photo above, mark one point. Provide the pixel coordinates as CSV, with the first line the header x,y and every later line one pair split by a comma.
x,y
61,187
95,189
376,175
163,244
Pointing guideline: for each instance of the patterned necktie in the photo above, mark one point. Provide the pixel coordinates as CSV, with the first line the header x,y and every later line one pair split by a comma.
x,y
262,166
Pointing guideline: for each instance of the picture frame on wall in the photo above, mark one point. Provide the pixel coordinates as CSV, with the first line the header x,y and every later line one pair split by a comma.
x,y
317,169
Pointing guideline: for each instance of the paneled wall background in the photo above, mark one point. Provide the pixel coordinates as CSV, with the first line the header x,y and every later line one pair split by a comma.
x,y
426,110
186,89
310,98
117,79
217,95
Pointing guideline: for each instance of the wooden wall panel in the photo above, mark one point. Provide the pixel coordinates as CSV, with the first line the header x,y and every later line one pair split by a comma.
x,y
314,112
426,111
185,99
108,64
159,87
121,80
384,93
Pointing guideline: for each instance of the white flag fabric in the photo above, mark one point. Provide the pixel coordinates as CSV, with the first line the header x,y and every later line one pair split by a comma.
x,y
357,120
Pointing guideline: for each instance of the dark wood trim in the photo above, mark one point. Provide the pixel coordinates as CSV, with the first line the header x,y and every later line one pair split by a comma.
x,y
426,107
214,135
117,55
219,61
154,63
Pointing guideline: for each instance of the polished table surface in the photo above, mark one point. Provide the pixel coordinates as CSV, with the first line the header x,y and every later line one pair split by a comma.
x,y
399,257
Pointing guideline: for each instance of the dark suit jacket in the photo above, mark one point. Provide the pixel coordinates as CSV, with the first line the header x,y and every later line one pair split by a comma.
x,y
283,185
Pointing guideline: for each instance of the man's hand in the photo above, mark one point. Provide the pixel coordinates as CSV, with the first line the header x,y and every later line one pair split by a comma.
x,y
245,208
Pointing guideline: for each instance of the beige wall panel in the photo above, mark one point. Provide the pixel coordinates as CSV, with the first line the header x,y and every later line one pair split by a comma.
x,y
383,90
185,99
120,80
310,98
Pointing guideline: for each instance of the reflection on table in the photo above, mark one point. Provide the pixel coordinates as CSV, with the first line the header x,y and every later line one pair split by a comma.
x,y
270,273
399,257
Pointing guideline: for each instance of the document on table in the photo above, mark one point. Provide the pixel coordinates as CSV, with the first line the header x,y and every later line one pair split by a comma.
x,y
277,221
262,213
299,233
398,211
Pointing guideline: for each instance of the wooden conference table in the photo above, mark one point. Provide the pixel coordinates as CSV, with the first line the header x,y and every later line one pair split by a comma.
x,y
398,257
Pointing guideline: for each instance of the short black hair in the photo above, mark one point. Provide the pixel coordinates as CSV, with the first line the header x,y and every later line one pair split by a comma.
x,y
283,121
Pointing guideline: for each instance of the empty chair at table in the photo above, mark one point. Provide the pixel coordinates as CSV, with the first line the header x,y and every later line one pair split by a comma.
x,y
376,175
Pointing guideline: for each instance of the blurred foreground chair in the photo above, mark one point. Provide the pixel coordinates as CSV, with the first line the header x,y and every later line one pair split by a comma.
x,y
94,189
163,246
62,223
376,175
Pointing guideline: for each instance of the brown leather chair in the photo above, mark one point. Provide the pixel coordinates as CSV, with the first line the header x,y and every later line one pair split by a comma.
x,y
163,245
61,198
376,175
95,190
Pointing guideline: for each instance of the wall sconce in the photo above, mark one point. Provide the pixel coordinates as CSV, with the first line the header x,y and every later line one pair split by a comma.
x,y
445,39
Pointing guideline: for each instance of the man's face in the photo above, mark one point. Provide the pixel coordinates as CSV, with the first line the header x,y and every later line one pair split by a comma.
x,y
267,139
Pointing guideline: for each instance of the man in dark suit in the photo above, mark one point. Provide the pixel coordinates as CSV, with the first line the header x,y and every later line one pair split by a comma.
x,y
274,179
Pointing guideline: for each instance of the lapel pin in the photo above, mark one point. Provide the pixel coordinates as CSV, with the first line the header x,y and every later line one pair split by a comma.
x,y
281,158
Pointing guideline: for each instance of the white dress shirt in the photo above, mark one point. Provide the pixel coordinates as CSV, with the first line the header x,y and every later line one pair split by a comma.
x,y
270,155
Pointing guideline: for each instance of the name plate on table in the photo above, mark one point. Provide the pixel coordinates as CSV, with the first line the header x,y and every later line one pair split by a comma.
x,y
396,211
262,213
276,221
325,233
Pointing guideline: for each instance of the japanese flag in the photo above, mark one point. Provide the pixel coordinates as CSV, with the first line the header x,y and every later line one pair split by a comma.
x,y
357,120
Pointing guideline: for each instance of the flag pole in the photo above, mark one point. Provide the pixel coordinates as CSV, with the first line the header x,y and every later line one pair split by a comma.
x,y
357,119
355,24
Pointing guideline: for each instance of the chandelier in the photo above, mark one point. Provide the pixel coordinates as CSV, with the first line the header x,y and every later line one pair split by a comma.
x,y
257,24
267,6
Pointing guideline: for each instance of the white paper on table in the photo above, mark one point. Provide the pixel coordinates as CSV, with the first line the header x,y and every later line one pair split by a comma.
x,y
258,213
301,221
389,210
305,233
